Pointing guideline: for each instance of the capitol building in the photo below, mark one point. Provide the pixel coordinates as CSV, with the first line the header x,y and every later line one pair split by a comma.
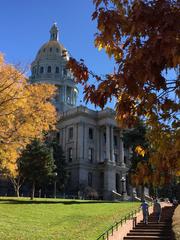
x,y
91,140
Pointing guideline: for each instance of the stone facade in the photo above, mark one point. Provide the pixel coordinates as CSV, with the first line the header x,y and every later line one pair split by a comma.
x,y
91,140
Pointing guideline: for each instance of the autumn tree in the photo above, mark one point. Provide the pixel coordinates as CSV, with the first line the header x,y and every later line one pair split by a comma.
x,y
25,113
36,164
143,39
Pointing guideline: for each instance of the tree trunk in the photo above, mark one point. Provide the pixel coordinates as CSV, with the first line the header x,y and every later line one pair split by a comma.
x,y
17,188
33,190
17,183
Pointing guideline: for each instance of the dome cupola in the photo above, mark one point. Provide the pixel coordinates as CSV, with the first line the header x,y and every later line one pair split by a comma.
x,y
49,67
54,32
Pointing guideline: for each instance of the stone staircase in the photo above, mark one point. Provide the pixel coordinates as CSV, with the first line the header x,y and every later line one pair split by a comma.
x,y
154,230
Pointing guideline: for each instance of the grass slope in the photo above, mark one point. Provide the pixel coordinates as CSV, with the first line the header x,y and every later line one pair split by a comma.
x,y
47,219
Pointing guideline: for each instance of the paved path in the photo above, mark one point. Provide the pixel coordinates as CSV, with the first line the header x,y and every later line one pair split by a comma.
x,y
154,230
126,227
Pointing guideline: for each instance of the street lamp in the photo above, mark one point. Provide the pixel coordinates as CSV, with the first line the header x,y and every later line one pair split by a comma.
x,y
123,186
55,175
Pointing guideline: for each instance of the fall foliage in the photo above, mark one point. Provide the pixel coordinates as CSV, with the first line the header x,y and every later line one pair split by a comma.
x,y
143,38
25,113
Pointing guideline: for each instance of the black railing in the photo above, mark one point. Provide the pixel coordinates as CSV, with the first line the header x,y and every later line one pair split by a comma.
x,y
110,231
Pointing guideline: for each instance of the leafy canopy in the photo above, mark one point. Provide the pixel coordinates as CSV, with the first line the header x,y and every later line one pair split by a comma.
x,y
143,38
25,113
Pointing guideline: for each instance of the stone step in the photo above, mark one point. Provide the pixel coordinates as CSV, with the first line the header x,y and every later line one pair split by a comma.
x,y
160,223
151,230
148,234
154,221
152,226
147,238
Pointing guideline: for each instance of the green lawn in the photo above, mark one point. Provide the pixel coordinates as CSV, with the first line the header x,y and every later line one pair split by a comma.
x,y
48,219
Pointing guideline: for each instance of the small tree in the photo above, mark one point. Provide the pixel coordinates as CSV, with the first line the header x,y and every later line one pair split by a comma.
x,y
136,139
36,164
59,160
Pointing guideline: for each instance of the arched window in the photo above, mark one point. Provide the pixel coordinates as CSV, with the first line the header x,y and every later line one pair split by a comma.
x,y
41,69
50,49
49,69
57,69
65,72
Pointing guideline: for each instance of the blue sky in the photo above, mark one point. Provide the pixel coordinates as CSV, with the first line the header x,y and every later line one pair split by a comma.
x,y
25,27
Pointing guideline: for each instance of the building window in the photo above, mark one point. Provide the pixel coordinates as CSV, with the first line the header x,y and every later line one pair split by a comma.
x,y
70,154
69,178
125,159
104,154
102,180
115,141
104,136
90,133
50,49
58,137
41,69
90,155
68,99
65,72
57,69
44,50
70,133
49,69
90,179
57,50
34,70
115,157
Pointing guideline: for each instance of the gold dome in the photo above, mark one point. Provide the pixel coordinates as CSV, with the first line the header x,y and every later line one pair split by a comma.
x,y
51,49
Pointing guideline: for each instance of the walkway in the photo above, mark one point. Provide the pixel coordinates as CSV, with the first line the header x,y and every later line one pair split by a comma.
x,y
127,227
154,230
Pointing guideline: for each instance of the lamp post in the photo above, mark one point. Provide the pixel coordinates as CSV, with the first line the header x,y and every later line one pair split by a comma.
x,y
123,187
55,175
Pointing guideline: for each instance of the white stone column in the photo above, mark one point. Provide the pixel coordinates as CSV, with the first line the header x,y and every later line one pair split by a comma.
x,y
112,144
97,145
121,150
63,138
102,148
65,94
71,98
80,137
108,143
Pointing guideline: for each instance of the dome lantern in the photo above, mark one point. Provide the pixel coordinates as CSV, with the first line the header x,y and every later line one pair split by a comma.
x,y
54,32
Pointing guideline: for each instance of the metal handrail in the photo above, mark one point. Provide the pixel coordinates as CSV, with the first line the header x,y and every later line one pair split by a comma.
x,y
105,235
132,215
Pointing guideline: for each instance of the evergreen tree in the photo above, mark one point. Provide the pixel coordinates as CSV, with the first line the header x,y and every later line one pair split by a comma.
x,y
59,160
36,164
140,167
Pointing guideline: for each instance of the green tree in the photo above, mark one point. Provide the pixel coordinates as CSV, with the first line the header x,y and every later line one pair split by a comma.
x,y
136,139
36,164
60,162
